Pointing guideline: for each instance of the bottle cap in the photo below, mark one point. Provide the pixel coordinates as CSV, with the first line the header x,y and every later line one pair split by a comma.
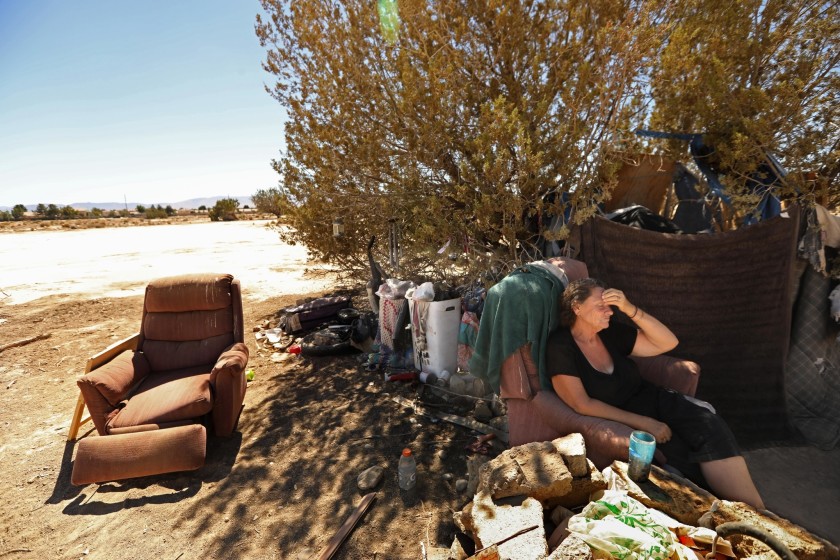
x,y
406,452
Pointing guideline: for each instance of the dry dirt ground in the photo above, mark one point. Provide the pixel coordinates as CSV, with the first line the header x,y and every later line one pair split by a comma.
x,y
279,488
286,481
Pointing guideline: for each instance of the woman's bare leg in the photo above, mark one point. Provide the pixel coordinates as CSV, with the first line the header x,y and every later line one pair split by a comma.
x,y
730,479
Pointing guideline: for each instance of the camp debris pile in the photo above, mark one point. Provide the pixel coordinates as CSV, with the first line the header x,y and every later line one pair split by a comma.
x,y
526,498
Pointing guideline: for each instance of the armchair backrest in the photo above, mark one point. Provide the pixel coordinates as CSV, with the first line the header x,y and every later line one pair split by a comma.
x,y
189,320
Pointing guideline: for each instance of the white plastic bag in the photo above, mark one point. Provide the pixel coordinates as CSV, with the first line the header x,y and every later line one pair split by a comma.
x,y
424,292
622,527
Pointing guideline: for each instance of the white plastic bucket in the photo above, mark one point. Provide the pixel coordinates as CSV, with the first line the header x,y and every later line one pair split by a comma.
x,y
434,332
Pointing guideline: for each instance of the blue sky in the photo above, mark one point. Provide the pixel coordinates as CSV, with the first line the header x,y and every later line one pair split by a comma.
x,y
153,101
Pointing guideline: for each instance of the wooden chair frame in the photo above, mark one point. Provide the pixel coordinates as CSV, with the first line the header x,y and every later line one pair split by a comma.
x,y
94,362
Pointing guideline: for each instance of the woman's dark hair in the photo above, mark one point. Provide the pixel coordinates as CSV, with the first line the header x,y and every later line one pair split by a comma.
x,y
576,293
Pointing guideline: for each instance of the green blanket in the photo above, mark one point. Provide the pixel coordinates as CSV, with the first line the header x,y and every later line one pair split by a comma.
x,y
522,308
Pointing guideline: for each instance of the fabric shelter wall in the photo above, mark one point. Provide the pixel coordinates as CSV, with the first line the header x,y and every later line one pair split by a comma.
x,y
727,298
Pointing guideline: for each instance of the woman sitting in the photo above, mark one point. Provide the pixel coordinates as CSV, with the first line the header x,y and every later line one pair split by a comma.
x,y
588,361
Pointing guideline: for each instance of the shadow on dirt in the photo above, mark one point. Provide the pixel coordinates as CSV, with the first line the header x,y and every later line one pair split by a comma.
x,y
221,456
324,421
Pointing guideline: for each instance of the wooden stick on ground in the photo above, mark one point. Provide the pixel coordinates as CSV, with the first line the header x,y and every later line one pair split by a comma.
x,y
454,418
348,525
24,341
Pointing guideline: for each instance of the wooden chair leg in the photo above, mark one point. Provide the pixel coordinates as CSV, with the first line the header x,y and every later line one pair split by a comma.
x,y
77,420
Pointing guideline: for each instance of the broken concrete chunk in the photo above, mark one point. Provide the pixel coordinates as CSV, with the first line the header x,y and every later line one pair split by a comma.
x,y
437,553
535,469
572,548
456,551
496,521
474,465
673,495
582,489
803,544
573,450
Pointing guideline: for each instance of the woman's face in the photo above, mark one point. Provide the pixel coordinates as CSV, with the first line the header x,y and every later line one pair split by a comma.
x,y
593,311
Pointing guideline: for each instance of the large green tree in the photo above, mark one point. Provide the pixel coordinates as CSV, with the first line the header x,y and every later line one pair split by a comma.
x,y
458,121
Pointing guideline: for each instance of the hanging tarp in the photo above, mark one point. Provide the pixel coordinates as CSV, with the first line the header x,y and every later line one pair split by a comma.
x,y
726,296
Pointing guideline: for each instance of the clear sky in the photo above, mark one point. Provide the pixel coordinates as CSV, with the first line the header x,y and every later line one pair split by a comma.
x,y
154,101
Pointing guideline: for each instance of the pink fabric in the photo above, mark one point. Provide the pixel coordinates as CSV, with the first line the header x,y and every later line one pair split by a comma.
x,y
574,269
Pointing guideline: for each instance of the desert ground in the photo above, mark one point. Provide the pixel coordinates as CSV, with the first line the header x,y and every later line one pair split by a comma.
x,y
279,488
286,481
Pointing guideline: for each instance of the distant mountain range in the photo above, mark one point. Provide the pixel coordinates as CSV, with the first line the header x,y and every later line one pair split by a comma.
x,y
190,204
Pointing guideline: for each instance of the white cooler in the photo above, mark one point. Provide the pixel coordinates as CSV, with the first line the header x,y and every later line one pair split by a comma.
x,y
434,333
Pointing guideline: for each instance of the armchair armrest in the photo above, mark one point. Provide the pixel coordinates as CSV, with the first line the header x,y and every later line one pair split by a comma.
x,y
117,348
670,372
228,381
109,377
605,440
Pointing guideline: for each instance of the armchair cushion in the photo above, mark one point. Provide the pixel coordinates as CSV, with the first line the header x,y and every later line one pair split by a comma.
x,y
116,457
166,355
670,372
104,387
174,294
231,362
166,397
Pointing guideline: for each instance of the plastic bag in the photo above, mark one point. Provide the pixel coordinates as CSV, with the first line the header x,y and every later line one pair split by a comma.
x,y
622,527
424,292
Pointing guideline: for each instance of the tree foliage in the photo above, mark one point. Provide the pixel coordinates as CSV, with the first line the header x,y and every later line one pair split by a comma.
x,y
756,77
224,210
269,201
469,123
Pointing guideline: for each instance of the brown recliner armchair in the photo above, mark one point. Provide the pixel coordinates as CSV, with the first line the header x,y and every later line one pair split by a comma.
x,y
536,414
151,395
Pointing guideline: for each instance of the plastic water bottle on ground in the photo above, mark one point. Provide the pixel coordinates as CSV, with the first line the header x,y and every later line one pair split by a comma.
x,y
407,470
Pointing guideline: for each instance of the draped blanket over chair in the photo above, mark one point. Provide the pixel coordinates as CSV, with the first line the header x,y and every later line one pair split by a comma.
x,y
151,395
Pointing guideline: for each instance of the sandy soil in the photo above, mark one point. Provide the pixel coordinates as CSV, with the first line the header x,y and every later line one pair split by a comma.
x,y
279,488
286,481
